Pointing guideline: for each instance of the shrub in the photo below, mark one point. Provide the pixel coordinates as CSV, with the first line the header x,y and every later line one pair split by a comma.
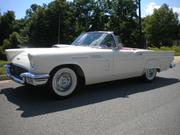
x,y
174,48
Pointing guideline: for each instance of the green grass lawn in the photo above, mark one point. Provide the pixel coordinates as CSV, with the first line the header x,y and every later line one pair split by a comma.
x,y
2,63
174,48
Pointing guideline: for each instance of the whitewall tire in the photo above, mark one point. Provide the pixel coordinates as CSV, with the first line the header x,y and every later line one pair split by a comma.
x,y
150,74
63,82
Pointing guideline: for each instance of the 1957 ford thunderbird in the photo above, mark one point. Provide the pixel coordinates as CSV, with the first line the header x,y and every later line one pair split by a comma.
x,y
93,57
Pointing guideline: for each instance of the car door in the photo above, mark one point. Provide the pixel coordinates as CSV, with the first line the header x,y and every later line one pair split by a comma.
x,y
127,63
101,63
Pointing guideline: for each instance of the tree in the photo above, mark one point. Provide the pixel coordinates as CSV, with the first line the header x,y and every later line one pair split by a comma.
x,y
124,21
6,45
44,24
161,28
12,42
118,15
21,26
15,40
101,15
83,10
32,10
6,25
41,24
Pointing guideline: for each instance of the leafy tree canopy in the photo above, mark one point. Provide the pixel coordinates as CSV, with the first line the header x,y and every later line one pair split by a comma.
x,y
6,25
161,28
40,26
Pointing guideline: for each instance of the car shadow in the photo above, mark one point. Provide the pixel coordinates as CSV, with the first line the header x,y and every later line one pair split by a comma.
x,y
38,101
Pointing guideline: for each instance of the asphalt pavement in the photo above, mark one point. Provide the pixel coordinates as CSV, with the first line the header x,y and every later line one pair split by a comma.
x,y
125,107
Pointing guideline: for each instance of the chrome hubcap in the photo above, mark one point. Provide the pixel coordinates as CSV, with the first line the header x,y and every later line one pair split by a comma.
x,y
63,81
151,73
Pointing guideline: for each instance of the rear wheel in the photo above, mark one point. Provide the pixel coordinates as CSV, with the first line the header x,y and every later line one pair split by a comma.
x,y
150,74
63,82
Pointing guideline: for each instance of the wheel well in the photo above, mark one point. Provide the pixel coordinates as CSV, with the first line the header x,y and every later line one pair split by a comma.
x,y
153,64
74,67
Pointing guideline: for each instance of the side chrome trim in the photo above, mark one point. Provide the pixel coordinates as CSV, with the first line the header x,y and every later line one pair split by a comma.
x,y
27,77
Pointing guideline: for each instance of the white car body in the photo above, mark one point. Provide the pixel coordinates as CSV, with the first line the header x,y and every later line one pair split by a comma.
x,y
97,64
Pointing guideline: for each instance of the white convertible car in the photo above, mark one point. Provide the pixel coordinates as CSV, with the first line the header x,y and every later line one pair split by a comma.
x,y
93,57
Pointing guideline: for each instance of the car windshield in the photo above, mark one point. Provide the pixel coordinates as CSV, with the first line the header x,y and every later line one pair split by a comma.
x,y
89,39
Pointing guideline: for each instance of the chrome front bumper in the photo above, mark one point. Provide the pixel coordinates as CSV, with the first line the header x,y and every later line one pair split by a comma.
x,y
27,77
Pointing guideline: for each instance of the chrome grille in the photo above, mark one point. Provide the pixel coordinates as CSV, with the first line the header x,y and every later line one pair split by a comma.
x,y
17,71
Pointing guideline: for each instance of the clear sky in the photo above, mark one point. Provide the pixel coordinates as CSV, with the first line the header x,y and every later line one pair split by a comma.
x,y
149,5
20,6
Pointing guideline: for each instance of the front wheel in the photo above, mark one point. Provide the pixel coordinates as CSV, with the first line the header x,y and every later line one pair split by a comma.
x,y
63,82
150,74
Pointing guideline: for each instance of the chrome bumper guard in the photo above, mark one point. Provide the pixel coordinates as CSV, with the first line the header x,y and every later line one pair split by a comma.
x,y
172,65
27,77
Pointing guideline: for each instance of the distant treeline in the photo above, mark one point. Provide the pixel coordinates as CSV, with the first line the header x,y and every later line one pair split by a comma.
x,y
39,27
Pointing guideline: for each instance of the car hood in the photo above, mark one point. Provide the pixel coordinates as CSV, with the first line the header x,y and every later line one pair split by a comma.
x,y
55,50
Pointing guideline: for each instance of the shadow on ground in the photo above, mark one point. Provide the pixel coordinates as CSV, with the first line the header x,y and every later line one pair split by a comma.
x,y
38,101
